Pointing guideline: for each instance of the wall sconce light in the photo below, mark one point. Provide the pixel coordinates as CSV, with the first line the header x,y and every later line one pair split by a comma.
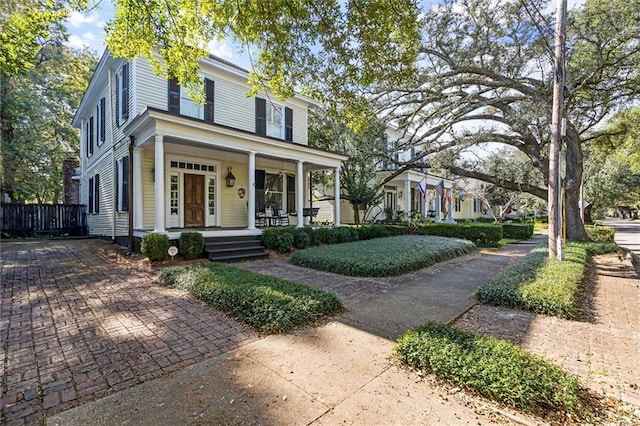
x,y
230,178
401,194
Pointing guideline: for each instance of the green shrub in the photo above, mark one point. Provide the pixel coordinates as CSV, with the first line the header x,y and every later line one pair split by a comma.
x,y
395,230
538,284
155,246
519,231
191,244
600,234
314,239
323,234
342,234
382,256
284,242
369,232
494,368
269,304
301,239
270,235
480,233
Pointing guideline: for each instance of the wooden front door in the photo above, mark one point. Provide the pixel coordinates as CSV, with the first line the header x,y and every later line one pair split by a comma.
x,y
193,200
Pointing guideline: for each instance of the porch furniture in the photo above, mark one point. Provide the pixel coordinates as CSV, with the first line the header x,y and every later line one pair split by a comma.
x,y
310,212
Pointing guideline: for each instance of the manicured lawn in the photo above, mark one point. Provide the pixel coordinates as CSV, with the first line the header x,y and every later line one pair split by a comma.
x,y
381,257
538,284
491,367
268,304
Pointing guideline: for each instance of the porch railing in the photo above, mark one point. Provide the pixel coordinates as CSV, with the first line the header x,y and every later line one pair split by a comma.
x,y
23,220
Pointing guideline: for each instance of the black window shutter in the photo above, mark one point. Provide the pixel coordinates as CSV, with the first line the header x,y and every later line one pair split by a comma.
x,y
174,96
209,92
125,183
260,178
117,117
291,194
96,197
90,195
261,116
125,91
102,119
86,138
288,122
91,135
116,179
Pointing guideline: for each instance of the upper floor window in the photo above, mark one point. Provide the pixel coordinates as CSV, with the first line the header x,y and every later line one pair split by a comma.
x,y
273,120
122,94
181,103
100,121
88,136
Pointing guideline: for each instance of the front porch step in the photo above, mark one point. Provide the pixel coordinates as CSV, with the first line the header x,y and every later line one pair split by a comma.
x,y
233,249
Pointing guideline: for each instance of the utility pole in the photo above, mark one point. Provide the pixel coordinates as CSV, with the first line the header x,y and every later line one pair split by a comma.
x,y
554,196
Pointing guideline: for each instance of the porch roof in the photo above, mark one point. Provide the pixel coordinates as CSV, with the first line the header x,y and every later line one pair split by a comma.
x,y
152,121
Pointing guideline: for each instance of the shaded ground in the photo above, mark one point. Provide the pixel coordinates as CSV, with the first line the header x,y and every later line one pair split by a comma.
x,y
77,322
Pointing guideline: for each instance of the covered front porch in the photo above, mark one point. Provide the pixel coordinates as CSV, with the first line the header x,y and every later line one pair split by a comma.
x,y
218,181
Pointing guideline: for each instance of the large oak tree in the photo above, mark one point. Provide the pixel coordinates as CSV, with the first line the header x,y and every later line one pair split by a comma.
x,y
486,76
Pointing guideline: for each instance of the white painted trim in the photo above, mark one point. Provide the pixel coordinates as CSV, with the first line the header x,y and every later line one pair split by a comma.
x,y
174,235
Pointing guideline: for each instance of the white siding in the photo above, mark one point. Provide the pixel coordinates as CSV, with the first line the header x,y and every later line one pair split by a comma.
x,y
151,90
233,208
232,107
148,189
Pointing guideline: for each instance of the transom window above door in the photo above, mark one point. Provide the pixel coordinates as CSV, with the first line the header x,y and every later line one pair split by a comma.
x,y
192,166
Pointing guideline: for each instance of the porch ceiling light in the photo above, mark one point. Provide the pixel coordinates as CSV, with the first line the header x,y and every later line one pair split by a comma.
x,y
230,178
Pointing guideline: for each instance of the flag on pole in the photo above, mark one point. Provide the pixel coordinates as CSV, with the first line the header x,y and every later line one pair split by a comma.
x,y
422,186
440,189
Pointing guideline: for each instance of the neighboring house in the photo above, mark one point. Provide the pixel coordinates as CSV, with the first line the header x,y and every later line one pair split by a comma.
x,y
152,158
402,192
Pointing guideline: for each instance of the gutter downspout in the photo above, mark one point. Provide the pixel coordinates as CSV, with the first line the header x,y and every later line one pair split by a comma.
x,y
132,142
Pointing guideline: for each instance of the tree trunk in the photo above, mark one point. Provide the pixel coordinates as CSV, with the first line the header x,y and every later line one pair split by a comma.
x,y
8,158
573,180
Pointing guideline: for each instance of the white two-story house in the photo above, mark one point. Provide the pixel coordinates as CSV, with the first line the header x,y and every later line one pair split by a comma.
x,y
154,161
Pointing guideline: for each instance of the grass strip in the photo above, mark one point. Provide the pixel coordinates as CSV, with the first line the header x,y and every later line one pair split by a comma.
x,y
268,304
493,368
547,286
382,257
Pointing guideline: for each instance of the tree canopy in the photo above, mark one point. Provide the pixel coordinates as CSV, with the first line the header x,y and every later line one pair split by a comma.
x,y
299,43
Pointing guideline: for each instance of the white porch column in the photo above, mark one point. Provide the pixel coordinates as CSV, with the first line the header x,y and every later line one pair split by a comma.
x,y
138,200
450,207
336,190
438,208
407,198
299,194
159,206
251,214
425,204
306,198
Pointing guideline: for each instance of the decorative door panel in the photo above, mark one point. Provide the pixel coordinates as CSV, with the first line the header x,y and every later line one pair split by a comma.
x,y
193,200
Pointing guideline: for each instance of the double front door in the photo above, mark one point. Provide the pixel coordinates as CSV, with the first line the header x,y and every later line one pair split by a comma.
x,y
194,204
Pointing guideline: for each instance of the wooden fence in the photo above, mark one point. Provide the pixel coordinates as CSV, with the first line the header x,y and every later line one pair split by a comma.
x,y
23,220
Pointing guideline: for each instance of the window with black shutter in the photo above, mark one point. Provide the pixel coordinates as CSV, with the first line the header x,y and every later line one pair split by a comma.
x,y
91,135
102,121
86,139
124,184
209,87
91,189
125,91
291,193
174,96
261,116
260,179
288,122
96,194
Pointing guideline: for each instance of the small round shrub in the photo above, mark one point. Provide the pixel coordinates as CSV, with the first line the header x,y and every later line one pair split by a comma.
x,y
323,234
191,244
270,235
155,246
343,234
283,242
369,232
301,239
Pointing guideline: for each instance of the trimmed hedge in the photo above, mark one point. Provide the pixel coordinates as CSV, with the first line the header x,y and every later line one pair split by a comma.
x,y
382,256
155,246
481,234
520,231
538,284
268,304
191,244
600,234
494,368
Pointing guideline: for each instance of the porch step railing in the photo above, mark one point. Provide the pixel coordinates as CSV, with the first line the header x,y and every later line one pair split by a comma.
x,y
230,249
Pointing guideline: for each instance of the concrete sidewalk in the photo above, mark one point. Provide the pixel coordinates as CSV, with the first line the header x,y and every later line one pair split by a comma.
x,y
340,372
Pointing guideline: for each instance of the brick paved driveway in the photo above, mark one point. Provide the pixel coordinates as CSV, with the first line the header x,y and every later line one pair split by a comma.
x,y
78,322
